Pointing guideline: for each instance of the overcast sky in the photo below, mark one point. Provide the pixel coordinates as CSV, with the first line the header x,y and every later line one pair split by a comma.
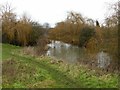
x,y
53,11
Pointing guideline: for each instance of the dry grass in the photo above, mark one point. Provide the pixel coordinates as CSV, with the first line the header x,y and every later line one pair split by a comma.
x,y
29,51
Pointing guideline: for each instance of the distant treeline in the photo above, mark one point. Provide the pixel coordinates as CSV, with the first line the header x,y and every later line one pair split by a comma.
x,y
21,31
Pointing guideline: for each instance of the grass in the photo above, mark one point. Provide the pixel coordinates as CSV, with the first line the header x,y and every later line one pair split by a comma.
x,y
26,71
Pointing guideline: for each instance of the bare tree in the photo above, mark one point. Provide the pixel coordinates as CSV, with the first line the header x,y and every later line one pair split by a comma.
x,y
113,18
14,30
75,19
8,19
89,21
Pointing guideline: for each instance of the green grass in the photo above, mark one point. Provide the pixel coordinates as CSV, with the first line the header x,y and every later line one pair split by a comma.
x,y
25,71
8,50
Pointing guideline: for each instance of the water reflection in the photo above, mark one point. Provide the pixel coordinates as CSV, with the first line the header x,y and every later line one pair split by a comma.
x,y
73,54
65,51
103,59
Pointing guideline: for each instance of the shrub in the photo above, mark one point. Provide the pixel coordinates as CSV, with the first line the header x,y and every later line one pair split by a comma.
x,y
35,35
85,34
40,48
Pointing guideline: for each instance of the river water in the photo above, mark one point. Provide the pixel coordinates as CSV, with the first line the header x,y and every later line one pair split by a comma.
x,y
73,54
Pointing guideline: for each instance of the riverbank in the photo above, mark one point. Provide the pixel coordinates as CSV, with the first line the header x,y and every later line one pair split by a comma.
x,y
26,71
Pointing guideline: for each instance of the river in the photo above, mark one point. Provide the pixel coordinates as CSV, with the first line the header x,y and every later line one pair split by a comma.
x,y
74,54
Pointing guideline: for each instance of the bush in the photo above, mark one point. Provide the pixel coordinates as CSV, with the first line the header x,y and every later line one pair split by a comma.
x,y
37,32
34,36
40,48
85,34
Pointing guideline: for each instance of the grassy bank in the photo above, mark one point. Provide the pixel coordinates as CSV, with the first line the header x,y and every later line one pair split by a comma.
x,y
25,71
